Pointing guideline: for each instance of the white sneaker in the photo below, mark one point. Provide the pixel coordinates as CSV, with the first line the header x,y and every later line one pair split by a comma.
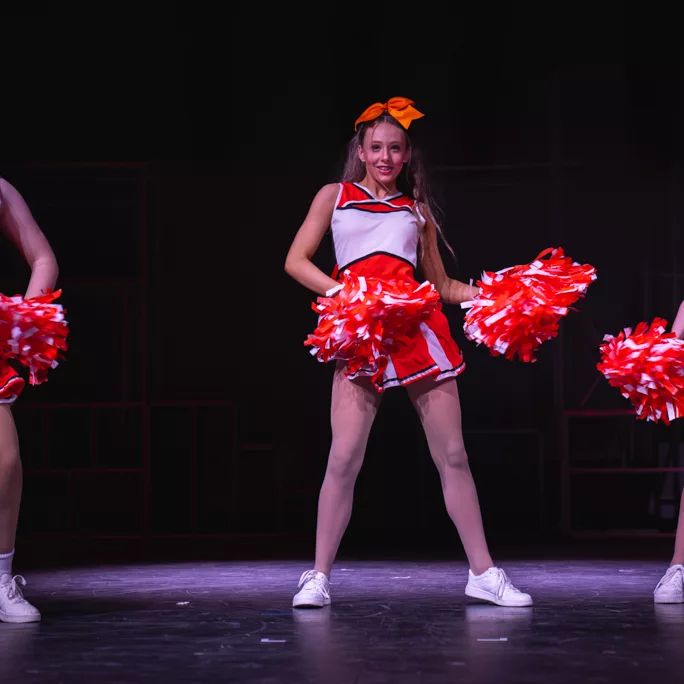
x,y
13,606
314,590
495,587
670,589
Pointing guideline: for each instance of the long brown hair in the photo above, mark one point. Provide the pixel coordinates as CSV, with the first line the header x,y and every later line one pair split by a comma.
x,y
412,181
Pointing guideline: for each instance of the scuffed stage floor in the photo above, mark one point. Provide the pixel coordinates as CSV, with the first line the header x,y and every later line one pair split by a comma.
x,y
593,621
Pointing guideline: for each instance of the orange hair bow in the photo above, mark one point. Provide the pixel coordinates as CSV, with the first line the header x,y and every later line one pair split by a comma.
x,y
399,108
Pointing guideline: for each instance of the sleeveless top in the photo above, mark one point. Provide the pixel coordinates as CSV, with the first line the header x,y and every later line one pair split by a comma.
x,y
363,226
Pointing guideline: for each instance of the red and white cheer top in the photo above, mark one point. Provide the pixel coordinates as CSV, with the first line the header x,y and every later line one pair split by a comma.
x,y
379,238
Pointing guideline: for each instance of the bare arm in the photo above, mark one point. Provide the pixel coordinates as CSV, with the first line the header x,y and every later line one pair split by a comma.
x,y
298,262
18,224
451,291
678,325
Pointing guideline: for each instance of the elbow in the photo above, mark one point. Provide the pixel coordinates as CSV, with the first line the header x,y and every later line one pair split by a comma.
x,y
444,290
45,261
455,292
48,269
292,266
54,269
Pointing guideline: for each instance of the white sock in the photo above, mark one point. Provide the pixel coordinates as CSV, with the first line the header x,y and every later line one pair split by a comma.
x,y
6,562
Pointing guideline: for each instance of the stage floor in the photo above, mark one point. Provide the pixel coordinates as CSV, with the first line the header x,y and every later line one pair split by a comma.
x,y
593,621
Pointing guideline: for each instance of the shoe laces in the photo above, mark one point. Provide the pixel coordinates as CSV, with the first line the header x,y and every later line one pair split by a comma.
x,y
670,575
503,583
14,592
315,578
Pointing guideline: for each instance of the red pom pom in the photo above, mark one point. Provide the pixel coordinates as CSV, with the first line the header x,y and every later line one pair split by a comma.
x,y
647,366
368,319
33,331
520,307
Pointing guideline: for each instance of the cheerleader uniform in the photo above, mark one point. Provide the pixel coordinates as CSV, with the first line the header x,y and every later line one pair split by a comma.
x,y
11,384
379,238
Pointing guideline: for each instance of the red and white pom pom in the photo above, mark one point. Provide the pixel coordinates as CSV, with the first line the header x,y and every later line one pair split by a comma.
x,y
519,308
34,332
647,366
367,319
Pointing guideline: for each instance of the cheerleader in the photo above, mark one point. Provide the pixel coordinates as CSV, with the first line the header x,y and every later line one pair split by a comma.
x,y
20,227
383,227
670,589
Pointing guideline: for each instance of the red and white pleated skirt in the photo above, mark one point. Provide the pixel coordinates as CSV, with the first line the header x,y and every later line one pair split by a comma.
x,y
431,352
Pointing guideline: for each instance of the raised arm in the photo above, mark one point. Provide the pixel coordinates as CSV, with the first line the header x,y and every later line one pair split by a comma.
x,y
298,263
451,291
18,224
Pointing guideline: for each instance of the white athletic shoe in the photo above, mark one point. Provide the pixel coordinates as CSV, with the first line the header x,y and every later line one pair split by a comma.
x,y
314,590
495,587
670,589
13,606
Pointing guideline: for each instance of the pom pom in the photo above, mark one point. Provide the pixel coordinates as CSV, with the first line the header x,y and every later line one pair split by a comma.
x,y
520,307
34,332
647,366
367,319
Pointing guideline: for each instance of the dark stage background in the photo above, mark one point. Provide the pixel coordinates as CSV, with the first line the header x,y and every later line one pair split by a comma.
x,y
171,156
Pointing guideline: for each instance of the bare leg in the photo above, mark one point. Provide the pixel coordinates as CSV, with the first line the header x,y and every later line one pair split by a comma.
x,y
13,606
10,479
354,406
678,558
440,413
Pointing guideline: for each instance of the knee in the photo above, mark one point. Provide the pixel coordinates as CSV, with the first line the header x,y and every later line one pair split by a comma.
x,y
9,448
9,455
9,444
344,462
10,463
454,457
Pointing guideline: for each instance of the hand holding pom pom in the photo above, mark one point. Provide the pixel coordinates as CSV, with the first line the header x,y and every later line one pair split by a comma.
x,y
520,307
367,318
34,332
647,366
